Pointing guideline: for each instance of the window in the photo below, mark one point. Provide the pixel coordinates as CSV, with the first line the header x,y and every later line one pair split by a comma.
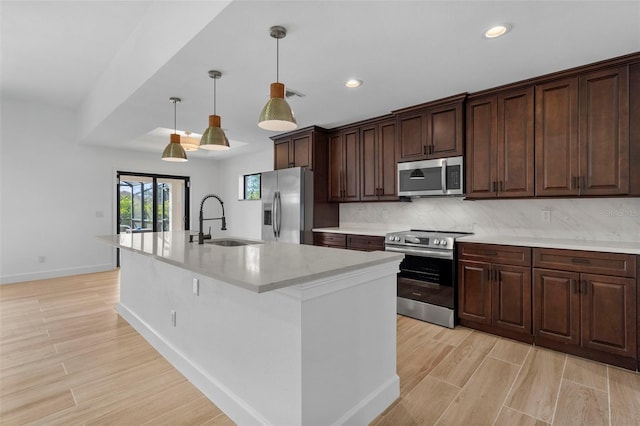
x,y
250,186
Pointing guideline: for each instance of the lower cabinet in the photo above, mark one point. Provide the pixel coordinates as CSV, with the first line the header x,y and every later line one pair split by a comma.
x,y
578,302
348,241
494,289
584,313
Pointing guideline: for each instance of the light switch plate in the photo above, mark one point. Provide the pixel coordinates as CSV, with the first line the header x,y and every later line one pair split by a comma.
x,y
196,287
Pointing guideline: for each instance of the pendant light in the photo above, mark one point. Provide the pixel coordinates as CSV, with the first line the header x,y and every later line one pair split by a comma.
x,y
189,143
174,151
277,114
214,138
417,174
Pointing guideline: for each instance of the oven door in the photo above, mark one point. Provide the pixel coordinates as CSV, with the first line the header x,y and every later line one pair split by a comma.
x,y
428,280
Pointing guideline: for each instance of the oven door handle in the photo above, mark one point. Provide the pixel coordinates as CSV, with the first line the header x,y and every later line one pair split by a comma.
x,y
448,254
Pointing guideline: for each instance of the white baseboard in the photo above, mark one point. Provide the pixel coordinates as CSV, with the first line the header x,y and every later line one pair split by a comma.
x,y
372,406
233,406
54,273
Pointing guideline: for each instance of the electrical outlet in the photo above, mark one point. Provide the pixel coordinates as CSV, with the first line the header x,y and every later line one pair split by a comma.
x,y
99,213
173,317
545,216
196,287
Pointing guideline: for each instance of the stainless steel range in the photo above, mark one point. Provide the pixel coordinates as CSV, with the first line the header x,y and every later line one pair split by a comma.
x,y
427,281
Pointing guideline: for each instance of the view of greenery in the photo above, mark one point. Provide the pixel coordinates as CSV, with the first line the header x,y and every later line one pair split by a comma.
x,y
252,186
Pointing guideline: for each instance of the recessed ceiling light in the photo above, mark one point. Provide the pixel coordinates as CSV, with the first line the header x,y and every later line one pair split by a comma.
x,y
353,83
497,31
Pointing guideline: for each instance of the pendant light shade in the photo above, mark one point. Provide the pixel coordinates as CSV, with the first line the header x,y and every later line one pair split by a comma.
x,y
213,138
277,114
417,174
189,143
174,151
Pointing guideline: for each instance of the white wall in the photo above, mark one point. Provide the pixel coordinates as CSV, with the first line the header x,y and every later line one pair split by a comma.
x,y
606,219
243,217
53,192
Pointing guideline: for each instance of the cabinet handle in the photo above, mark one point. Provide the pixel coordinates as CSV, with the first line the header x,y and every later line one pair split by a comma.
x,y
494,186
574,182
581,261
574,284
583,286
433,149
583,182
417,294
490,253
424,149
500,186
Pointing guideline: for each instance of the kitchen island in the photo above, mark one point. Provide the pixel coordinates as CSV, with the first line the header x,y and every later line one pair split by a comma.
x,y
272,333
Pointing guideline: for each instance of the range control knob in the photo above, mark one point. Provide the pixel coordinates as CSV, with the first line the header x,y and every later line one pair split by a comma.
x,y
436,241
443,242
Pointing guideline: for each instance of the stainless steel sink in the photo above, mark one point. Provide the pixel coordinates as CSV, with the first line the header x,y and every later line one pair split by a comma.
x,y
227,242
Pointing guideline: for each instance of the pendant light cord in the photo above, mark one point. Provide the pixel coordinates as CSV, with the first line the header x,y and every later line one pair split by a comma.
x,y
175,120
277,60
214,96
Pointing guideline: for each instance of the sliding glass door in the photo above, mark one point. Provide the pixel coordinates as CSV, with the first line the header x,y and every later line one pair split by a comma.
x,y
152,203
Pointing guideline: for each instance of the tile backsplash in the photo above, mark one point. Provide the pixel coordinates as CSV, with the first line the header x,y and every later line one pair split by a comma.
x,y
600,219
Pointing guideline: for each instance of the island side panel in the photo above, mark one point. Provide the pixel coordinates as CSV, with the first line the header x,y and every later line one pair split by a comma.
x,y
349,349
241,349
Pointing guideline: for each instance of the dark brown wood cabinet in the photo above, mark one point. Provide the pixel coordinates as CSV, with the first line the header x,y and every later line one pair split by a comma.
x,y
296,149
378,177
586,305
494,289
308,147
604,132
499,144
582,134
330,239
431,130
348,241
344,165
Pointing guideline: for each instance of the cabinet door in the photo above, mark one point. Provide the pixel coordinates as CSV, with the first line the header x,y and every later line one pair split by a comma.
x,y
511,298
604,132
370,155
515,143
480,161
336,160
609,314
556,136
444,131
556,306
281,155
412,144
351,170
302,151
474,291
387,164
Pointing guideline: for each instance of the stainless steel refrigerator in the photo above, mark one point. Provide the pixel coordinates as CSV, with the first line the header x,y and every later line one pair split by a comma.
x,y
287,205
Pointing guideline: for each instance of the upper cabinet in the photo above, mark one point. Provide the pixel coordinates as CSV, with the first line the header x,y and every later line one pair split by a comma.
x,y
344,165
431,130
300,148
499,144
362,161
378,177
582,134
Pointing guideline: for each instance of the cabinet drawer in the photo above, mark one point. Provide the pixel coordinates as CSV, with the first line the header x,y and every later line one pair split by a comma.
x,y
365,242
329,239
495,253
614,264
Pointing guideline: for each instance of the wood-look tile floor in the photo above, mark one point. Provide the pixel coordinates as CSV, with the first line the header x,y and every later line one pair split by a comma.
x,y
66,357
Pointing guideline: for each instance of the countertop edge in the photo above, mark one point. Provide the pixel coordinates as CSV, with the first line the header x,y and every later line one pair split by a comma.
x,y
624,247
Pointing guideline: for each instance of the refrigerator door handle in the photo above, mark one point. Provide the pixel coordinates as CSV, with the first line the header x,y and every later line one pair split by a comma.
x,y
279,218
275,215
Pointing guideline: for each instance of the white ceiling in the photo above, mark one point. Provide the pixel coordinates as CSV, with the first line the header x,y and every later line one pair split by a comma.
x,y
117,63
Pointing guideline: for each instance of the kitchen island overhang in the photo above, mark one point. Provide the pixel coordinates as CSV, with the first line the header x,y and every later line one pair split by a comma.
x,y
277,333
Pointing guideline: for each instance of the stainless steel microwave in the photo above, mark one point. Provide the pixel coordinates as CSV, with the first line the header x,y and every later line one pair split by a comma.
x,y
442,176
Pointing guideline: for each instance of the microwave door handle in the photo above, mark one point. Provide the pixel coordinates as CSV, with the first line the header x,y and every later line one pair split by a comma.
x,y
443,176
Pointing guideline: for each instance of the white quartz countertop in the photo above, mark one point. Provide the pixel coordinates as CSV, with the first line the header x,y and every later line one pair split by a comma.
x,y
257,267
559,243
373,231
